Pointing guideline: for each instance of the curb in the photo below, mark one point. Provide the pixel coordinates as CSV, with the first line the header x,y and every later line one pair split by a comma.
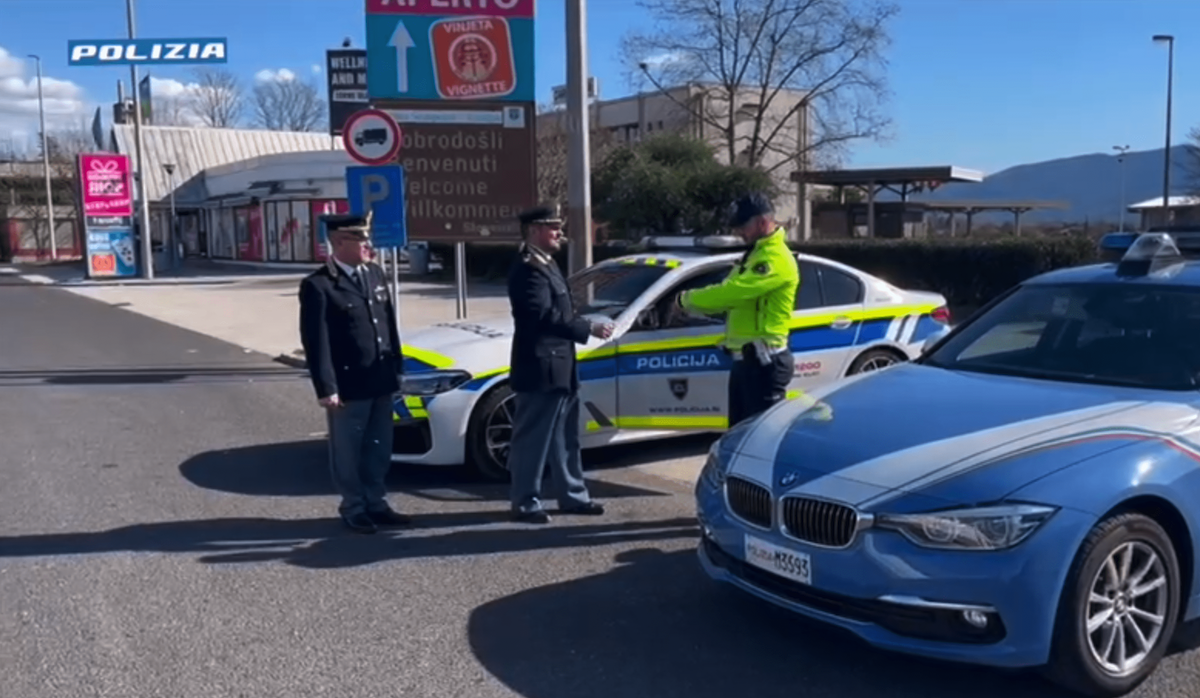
x,y
292,361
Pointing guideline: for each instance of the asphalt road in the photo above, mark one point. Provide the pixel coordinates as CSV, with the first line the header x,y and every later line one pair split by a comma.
x,y
167,530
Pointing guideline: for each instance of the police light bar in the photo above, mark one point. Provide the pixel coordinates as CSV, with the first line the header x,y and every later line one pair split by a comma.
x,y
1148,252
1113,246
704,242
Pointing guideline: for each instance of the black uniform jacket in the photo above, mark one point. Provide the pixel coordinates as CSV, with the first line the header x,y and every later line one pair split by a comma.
x,y
349,335
545,330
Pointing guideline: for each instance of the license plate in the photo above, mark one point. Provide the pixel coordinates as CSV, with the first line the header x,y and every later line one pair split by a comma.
x,y
783,562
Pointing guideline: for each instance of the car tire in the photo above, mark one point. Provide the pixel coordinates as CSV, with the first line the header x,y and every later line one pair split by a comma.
x,y
480,454
872,360
1077,656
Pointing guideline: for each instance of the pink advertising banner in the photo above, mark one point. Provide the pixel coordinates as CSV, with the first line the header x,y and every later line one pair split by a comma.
x,y
105,184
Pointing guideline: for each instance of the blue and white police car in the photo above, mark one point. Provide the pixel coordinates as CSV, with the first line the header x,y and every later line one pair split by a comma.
x,y
1024,494
661,374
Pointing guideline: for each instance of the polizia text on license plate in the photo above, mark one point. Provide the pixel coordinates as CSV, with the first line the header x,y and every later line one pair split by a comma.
x,y
789,564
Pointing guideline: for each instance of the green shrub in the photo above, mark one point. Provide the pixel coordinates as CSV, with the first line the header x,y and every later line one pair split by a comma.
x,y
968,272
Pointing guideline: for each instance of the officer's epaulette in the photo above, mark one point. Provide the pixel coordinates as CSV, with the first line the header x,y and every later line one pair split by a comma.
x,y
528,256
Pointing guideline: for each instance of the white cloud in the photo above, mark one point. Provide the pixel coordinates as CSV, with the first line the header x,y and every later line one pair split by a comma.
x,y
316,69
281,75
66,105
663,59
171,102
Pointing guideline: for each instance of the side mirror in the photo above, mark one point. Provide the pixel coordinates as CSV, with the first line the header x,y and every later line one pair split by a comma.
x,y
647,320
933,339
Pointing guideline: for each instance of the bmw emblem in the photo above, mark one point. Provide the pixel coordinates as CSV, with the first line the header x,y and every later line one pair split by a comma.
x,y
789,479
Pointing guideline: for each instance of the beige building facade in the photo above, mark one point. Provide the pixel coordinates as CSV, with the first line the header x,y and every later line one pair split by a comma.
x,y
696,110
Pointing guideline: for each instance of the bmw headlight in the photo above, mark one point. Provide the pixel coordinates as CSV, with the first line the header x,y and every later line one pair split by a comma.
x,y
716,466
979,528
432,382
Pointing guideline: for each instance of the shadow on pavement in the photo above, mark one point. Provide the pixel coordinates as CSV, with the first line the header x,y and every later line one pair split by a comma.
x,y
149,375
656,626
325,544
301,469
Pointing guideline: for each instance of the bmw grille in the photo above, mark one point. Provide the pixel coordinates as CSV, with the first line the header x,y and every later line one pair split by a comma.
x,y
819,522
749,501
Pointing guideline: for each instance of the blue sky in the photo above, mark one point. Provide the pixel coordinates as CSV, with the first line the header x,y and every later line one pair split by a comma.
x,y
983,84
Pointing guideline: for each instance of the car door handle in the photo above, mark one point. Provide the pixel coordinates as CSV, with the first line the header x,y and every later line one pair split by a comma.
x,y
841,322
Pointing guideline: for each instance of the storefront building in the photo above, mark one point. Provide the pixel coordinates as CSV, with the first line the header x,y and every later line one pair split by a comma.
x,y
268,208
243,195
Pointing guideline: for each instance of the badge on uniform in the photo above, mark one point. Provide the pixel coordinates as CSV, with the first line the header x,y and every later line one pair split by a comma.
x,y
761,268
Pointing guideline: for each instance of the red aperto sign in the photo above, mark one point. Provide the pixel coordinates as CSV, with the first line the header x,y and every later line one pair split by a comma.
x,y
105,185
473,57
524,9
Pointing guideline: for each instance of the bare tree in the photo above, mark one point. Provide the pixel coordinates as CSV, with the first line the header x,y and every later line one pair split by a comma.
x,y
553,132
28,195
172,111
288,105
1191,161
761,62
218,98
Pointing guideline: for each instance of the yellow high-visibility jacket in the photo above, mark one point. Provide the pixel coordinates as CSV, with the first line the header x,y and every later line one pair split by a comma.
x,y
759,295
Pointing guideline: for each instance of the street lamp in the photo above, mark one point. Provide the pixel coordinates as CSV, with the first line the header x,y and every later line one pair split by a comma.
x,y
1122,149
1170,42
171,242
143,207
46,162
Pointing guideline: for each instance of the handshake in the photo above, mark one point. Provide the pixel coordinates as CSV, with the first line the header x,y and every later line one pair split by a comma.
x,y
603,330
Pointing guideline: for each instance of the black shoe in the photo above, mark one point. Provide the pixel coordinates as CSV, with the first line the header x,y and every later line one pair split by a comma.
x,y
535,517
359,523
387,517
589,509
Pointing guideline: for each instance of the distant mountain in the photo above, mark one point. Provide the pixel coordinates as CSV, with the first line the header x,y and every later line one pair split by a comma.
x,y
1090,184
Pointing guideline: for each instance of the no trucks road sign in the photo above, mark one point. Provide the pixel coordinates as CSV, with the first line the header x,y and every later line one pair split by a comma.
x,y
372,137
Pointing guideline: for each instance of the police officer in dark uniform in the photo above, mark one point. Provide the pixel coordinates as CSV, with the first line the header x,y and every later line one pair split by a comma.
x,y
544,376
348,330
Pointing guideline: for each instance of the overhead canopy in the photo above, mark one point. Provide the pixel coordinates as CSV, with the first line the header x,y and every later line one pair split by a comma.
x,y
974,206
889,176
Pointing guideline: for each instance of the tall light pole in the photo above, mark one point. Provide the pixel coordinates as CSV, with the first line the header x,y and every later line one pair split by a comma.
x,y
1170,42
1122,149
143,213
171,244
46,163
579,184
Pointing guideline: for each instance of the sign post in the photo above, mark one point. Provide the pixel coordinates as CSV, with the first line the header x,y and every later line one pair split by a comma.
x,y
458,77
379,190
106,203
372,137
346,69
133,52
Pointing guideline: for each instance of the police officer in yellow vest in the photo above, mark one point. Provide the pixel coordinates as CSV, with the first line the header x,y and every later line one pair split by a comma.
x,y
758,297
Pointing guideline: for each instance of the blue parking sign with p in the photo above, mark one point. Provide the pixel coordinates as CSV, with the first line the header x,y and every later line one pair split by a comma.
x,y
379,189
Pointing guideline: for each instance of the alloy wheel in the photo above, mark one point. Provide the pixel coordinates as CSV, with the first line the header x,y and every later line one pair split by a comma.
x,y
877,362
1126,608
498,429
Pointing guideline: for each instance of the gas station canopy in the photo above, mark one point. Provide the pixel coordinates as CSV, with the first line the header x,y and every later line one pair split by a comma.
x,y
904,181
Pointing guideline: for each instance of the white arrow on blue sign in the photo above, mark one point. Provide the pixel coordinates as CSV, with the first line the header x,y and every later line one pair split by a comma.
x,y
402,41
379,189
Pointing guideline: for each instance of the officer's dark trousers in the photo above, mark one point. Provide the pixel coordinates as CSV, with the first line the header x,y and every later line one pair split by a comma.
x,y
360,453
546,433
754,387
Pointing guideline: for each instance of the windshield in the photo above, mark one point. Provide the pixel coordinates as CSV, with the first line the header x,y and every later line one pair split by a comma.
x,y
610,288
1142,336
